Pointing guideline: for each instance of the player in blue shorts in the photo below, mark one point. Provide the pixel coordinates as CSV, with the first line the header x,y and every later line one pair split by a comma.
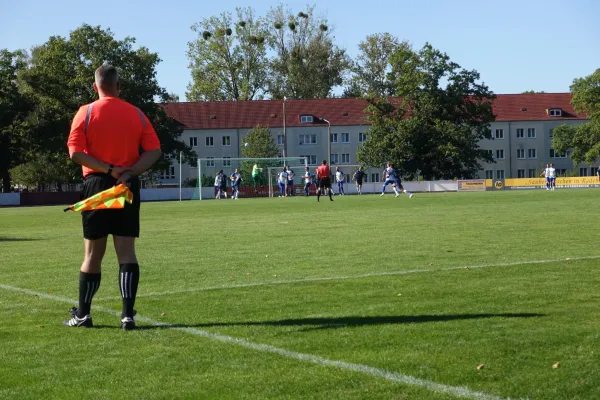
x,y
339,178
307,181
282,179
236,179
392,177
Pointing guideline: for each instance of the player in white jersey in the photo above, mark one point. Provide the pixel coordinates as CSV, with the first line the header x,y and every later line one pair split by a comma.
x,y
339,178
550,174
236,179
391,176
307,181
282,178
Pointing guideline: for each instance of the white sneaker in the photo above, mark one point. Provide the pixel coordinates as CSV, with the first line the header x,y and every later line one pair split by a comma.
x,y
410,196
397,194
382,194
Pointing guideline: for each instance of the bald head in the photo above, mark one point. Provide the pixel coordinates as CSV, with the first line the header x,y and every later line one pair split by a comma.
x,y
107,80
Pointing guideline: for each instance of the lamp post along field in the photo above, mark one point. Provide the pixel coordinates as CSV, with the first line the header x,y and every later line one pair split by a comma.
x,y
284,133
328,141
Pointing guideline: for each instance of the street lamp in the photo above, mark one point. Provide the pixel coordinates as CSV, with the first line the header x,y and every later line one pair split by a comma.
x,y
284,135
328,141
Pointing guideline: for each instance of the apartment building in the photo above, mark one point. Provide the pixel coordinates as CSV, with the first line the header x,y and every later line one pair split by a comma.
x,y
521,135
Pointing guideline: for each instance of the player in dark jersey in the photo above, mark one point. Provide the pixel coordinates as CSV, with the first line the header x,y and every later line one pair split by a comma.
x,y
359,176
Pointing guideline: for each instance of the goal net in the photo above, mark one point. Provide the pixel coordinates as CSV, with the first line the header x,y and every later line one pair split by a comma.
x,y
298,189
251,186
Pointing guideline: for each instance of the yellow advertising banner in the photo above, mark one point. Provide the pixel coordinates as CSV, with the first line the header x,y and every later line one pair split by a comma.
x,y
540,183
473,185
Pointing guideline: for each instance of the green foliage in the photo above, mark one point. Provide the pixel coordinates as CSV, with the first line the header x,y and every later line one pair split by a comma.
x,y
60,77
532,92
230,66
307,64
14,108
582,141
370,70
44,170
260,144
435,130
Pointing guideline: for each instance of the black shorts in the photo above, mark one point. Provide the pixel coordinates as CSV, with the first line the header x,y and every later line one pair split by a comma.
x,y
325,183
359,182
118,222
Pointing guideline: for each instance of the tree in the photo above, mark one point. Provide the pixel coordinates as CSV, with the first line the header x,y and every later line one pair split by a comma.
x,y
370,70
14,108
583,141
228,60
260,144
59,78
307,64
532,92
434,129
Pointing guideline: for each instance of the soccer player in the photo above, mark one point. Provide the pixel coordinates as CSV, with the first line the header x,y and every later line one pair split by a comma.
x,y
392,177
290,184
255,172
546,173
307,181
339,178
223,184
218,181
552,174
324,177
105,139
236,179
359,176
282,178
598,173
317,180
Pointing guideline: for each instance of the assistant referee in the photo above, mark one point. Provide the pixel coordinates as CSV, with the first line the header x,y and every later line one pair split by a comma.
x,y
105,139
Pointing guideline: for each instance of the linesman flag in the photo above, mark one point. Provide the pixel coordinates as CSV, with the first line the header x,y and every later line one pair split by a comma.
x,y
112,198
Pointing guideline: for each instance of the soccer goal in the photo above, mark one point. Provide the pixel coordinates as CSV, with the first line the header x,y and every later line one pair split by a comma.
x,y
256,185
298,189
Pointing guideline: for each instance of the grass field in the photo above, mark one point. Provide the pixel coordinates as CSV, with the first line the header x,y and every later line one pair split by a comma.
x,y
362,298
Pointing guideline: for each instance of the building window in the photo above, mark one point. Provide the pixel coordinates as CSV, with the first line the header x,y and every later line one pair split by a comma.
x,y
193,162
531,173
489,174
280,139
554,154
530,133
362,137
345,158
520,173
210,162
561,172
310,138
531,153
520,154
209,141
499,133
520,133
490,153
500,154
306,119
500,174
334,159
555,112
193,141
226,140
583,172
375,177
169,173
551,133
310,159
227,161
334,138
345,138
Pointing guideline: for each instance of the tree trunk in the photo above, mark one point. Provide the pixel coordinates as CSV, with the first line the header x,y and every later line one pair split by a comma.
x,y
5,162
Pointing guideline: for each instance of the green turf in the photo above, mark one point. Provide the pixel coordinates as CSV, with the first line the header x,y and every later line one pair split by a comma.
x,y
436,324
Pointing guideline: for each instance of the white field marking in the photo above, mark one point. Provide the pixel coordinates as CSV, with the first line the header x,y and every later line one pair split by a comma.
x,y
343,277
458,391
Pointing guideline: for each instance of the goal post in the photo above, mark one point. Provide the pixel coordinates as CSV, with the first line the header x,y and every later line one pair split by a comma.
x,y
257,186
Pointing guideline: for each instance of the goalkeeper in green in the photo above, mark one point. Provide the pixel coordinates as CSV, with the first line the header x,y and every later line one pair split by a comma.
x,y
255,172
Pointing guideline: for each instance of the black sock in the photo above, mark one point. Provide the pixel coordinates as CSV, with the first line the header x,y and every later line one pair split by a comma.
x,y
129,277
330,192
88,286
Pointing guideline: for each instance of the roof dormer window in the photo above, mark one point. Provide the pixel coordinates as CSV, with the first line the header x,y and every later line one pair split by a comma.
x,y
306,119
554,112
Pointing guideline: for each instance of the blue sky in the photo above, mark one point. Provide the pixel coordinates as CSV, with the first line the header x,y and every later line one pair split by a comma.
x,y
515,45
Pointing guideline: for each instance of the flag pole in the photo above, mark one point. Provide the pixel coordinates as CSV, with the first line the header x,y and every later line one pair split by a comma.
x,y
180,160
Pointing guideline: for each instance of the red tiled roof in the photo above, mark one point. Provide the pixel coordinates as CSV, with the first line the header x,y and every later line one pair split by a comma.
x,y
344,112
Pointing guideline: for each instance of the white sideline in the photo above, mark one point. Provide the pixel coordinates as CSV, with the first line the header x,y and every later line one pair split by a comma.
x,y
459,391
334,278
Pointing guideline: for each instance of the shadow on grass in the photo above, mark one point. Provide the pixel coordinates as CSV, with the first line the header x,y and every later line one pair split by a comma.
x,y
352,321
15,239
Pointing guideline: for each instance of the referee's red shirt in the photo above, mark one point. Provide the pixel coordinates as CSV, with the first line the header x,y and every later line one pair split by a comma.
x,y
323,171
114,133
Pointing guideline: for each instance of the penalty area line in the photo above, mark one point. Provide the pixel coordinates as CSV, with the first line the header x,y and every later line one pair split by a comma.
x,y
345,277
458,391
